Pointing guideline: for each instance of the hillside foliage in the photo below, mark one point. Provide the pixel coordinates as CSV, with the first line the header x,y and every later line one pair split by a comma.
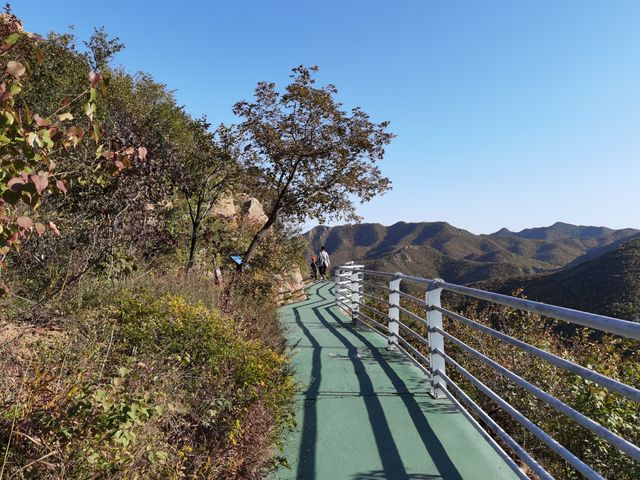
x,y
129,346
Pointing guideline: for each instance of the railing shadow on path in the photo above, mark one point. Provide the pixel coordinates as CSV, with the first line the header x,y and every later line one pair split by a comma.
x,y
379,474
389,455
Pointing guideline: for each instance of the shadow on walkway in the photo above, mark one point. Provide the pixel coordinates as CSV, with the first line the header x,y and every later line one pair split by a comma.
x,y
353,340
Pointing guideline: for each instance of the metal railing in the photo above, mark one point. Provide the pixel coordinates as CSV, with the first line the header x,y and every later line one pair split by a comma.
x,y
356,287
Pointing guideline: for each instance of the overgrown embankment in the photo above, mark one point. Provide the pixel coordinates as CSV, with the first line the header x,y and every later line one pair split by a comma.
x,y
146,380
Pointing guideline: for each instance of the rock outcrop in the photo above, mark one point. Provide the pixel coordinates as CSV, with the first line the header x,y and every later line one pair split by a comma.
x,y
225,209
242,209
291,287
253,212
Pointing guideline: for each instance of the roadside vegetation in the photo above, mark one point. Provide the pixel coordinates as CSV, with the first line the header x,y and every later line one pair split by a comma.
x,y
131,346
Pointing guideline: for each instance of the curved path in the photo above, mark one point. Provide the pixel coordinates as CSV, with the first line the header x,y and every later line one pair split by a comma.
x,y
364,412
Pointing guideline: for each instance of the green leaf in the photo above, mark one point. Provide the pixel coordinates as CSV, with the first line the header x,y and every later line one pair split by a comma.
x,y
89,108
15,89
13,38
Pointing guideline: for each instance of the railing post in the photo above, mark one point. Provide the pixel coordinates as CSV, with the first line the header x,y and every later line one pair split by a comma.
x,y
356,296
436,341
336,284
394,313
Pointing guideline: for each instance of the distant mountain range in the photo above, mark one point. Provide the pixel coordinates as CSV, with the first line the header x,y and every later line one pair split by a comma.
x,y
437,249
558,264
608,284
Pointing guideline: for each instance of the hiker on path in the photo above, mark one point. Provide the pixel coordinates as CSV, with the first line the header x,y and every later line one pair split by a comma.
x,y
323,263
314,268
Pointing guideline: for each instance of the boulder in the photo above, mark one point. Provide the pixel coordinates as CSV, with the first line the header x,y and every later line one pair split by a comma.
x,y
290,287
225,208
253,212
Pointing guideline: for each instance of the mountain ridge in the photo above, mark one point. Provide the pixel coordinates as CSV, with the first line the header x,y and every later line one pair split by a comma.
x,y
608,284
443,250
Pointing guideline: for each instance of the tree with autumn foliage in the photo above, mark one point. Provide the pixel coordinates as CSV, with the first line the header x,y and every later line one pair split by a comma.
x,y
31,143
308,156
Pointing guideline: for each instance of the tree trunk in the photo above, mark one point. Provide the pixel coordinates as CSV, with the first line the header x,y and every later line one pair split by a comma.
x,y
253,247
194,240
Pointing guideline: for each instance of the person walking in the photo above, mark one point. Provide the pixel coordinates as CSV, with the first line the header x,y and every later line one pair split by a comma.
x,y
323,263
314,268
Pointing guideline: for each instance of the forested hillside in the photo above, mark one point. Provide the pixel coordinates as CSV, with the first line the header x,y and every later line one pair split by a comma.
x,y
608,284
437,249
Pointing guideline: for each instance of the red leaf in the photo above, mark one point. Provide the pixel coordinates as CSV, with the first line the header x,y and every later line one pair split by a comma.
x,y
40,181
25,223
15,69
13,238
119,165
142,153
54,227
62,186
94,78
16,184
41,122
75,132
40,228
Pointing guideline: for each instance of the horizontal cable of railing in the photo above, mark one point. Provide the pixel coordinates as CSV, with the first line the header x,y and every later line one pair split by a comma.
x,y
369,307
381,326
574,461
504,436
342,304
378,274
616,326
413,315
414,350
591,425
375,285
567,365
414,334
417,300
373,297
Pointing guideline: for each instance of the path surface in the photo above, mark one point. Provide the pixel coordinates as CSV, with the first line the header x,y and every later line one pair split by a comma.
x,y
363,412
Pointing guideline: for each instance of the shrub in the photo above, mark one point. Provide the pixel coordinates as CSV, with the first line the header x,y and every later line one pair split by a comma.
x,y
147,386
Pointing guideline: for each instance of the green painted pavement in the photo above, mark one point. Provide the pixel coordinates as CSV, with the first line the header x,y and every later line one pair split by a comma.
x,y
363,412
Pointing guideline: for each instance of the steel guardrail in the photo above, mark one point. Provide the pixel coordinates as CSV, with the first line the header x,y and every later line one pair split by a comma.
x,y
395,328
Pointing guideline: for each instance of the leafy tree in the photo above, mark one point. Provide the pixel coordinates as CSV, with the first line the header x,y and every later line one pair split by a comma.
x,y
89,159
207,171
102,48
32,144
311,158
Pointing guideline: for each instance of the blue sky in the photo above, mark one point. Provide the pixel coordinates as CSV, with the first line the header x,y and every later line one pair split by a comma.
x,y
507,113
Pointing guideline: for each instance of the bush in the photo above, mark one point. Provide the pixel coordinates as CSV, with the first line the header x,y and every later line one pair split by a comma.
x,y
147,384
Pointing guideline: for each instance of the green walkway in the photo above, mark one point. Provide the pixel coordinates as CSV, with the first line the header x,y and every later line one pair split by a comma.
x,y
363,412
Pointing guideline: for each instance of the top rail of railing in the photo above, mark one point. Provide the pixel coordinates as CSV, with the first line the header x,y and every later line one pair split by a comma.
x,y
616,326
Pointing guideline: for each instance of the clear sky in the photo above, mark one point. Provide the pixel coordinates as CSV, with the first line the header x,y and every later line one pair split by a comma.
x,y
507,113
